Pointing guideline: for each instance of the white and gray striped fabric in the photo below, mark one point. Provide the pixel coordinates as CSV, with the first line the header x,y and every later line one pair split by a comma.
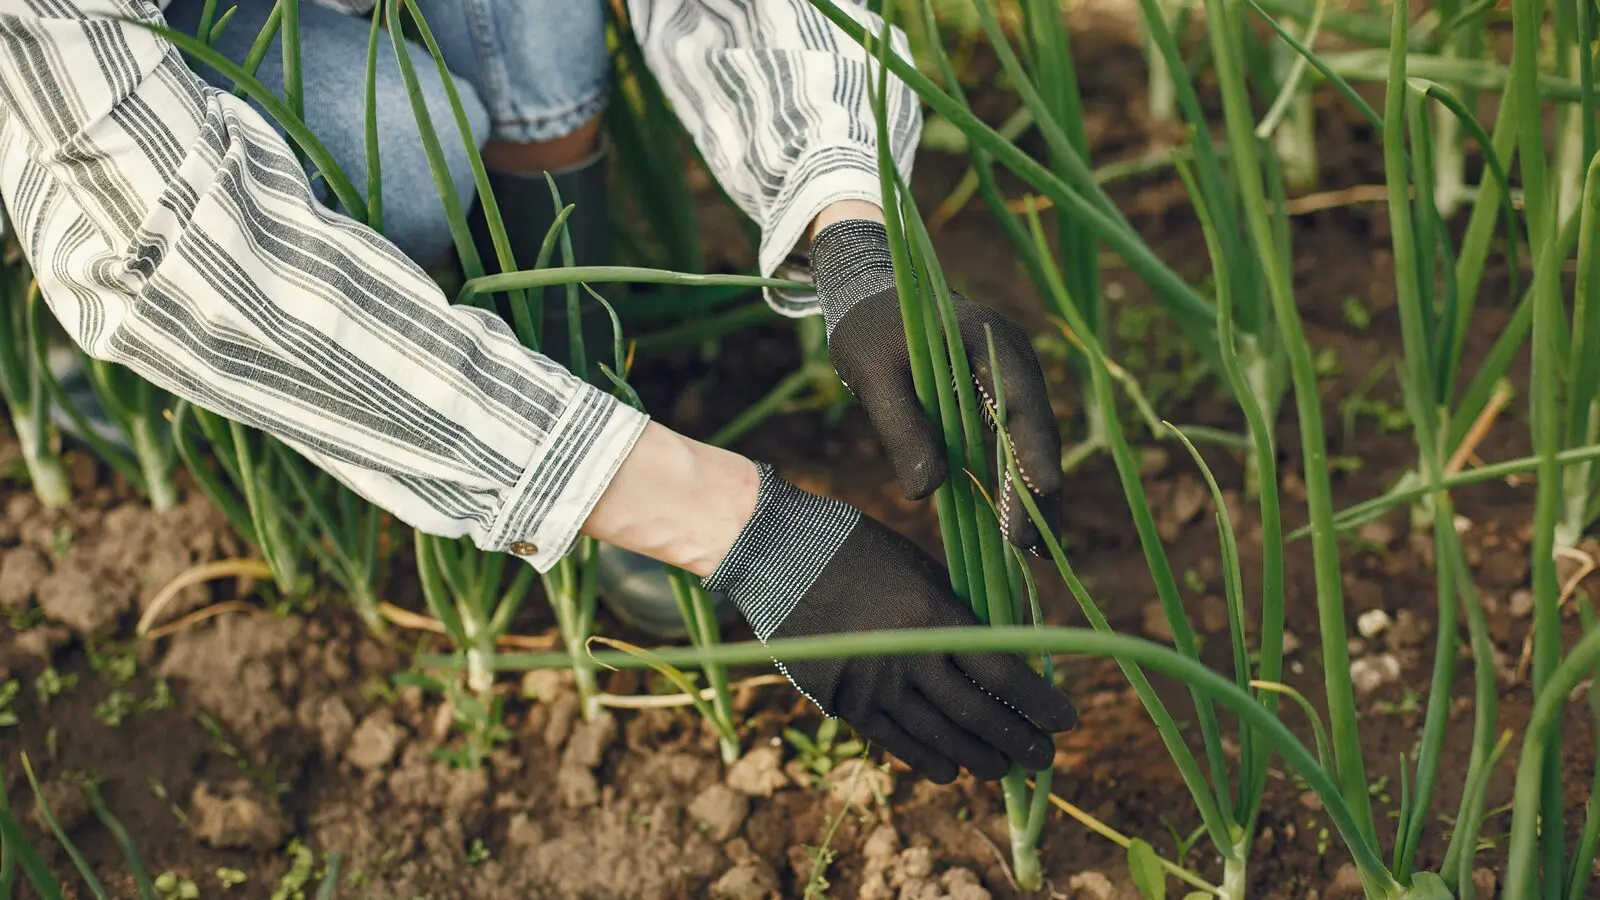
x,y
171,230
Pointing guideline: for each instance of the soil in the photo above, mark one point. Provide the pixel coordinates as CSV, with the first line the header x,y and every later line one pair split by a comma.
x,y
271,741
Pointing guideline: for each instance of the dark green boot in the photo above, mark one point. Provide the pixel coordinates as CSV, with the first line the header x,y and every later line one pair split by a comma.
x,y
528,211
635,588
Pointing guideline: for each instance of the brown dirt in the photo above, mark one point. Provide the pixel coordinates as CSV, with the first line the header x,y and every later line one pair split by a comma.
x,y
247,730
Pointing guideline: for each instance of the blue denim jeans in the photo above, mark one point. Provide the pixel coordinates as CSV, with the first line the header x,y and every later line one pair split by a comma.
x,y
526,71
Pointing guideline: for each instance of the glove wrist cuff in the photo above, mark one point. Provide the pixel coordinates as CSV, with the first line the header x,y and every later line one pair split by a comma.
x,y
850,261
790,538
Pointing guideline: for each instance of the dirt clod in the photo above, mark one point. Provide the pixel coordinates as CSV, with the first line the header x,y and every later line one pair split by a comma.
x,y
66,802
1090,886
749,881
857,782
1521,603
758,773
236,816
721,810
590,741
1373,672
577,787
1156,625
1372,623
21,570
1346,883
375,741
72,596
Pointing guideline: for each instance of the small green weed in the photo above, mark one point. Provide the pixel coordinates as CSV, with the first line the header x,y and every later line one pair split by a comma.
x,y
1356,314
120,705
50,684
820,754
173,886
8,692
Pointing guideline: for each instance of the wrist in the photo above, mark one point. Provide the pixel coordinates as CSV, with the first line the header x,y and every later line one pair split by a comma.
x,y
676,500
850,261
843,211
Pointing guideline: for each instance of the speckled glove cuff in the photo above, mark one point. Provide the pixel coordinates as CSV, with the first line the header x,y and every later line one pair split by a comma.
x,y
790,538
850,261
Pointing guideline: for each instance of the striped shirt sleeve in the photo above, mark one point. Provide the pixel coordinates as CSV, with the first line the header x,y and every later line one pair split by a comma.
x,y
775,98
171,230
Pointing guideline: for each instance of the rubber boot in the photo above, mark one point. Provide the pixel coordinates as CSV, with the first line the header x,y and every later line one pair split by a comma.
x,y
636,589
528,210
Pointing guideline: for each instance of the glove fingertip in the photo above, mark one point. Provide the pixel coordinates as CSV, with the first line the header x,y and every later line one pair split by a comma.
x,y
919,479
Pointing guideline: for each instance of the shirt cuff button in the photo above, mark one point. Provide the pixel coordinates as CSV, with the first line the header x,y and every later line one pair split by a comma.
x,y
523,548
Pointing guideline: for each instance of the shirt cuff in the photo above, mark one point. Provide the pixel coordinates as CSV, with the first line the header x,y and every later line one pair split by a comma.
x,y
564,480
819,178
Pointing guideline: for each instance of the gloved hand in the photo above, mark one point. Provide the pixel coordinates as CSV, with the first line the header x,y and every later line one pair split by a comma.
x,y
854,276
806,565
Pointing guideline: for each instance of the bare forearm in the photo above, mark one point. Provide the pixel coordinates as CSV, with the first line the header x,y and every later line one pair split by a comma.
x,y
676,500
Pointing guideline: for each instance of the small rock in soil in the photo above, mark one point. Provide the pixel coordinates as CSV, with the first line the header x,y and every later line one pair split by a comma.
x,y
881,845
1090,886
1521,603
721,810
236,816
375,741
546,684
37,645
1373,672
1156,625
66,802
758,773
577,787
21,570
1504,567
331,720
963,884
78,600
1484,882
1213,614
1379,533
1291,643
590,741
1372,623
857,782
914,864
1183,501
1346,884
750,881
524,833
563,712
1408,630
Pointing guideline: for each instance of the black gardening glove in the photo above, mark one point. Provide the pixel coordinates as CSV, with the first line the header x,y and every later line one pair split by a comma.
x,y
806,565
854,276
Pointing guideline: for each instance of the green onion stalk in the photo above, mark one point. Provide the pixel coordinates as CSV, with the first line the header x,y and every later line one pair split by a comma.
x,y
1268,239
467,591
137,409
1540,797
982,572
245,473
1459,37
1429,321
23,378
1161,101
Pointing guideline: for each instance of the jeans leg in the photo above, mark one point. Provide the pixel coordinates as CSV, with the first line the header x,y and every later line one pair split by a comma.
x,y
540,66
333,49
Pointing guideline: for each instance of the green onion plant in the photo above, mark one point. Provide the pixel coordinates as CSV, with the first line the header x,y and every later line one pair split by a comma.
x,y
23,380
